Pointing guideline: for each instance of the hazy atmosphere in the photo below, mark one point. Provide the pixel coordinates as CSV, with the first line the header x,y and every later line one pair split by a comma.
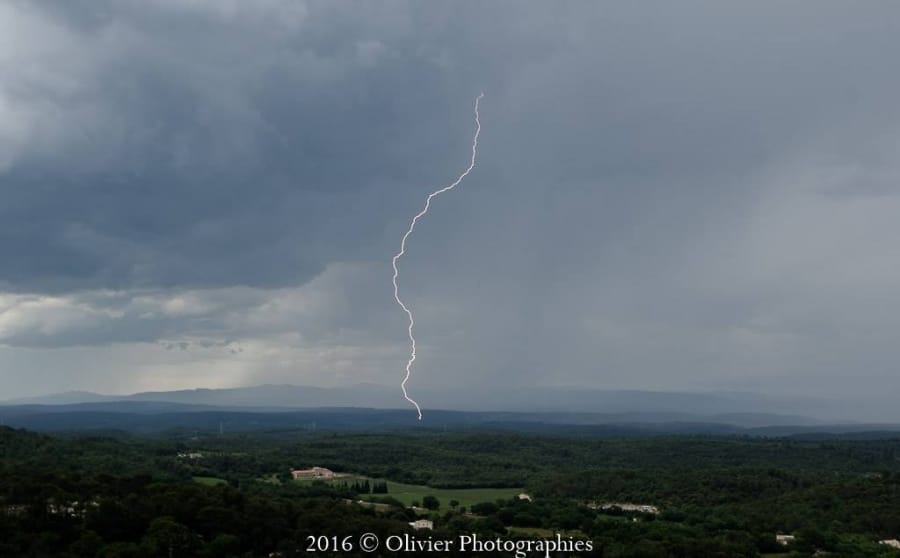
x,y
691,197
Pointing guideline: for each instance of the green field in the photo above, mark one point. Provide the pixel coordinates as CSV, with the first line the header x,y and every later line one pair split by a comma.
x,y
209,481
409,493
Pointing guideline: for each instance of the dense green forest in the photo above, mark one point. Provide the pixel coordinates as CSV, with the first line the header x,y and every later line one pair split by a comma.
x,y
194,494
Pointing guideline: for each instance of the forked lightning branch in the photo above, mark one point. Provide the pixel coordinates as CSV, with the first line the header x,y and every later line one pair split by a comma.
x,y
412,226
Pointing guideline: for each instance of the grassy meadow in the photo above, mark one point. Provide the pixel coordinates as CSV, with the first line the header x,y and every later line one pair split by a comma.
x,y
409,493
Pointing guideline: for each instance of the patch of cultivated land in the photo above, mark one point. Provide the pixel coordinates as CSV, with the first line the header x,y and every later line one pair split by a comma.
x,y
409,493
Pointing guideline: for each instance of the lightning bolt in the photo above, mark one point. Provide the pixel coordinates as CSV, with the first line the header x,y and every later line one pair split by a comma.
x,y
412,226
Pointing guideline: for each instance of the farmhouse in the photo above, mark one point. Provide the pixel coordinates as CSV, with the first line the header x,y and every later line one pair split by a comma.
x,y
191,455
642,508
313,473
784,540
422,524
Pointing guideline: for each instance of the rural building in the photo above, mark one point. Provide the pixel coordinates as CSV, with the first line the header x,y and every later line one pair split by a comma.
x,y
642,508
524,496
313,473
893,543
70,509
422,524
191,455
784,540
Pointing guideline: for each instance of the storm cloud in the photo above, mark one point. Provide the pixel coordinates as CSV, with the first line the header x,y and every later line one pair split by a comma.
x,y
691,196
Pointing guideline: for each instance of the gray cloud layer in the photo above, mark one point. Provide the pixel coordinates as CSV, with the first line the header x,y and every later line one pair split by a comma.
x,y
694,196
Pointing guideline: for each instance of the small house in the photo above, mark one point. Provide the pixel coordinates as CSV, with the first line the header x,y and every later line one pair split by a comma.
x,y
422,524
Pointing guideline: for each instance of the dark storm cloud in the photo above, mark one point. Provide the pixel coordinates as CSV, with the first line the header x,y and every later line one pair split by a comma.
x,y
209,143
202,146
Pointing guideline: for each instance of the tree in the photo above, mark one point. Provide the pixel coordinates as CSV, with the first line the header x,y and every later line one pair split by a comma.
x,y
223,545
166,537
122,550
87,544
430,502
484,508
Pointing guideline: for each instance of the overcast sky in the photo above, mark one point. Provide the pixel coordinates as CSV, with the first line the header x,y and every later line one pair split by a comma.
x,y
668,196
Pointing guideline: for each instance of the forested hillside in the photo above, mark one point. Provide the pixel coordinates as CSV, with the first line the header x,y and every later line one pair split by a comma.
x,y
207,495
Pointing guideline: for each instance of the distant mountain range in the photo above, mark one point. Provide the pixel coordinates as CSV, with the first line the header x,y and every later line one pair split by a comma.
x,y
662,405
550,407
